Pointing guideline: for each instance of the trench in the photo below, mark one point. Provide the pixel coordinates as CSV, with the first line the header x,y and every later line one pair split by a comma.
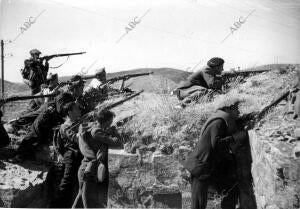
x,y
151,179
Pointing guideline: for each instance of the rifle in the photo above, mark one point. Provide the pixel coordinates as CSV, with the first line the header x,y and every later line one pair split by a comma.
x,y
124,77
17,98
255,117
242,73
90,115
49,57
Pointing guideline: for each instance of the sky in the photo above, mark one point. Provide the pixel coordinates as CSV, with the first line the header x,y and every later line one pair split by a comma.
x,y
128,34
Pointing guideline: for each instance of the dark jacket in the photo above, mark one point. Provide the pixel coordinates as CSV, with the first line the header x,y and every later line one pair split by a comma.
x,y
94,141
212,156
36,72
47,119
205,77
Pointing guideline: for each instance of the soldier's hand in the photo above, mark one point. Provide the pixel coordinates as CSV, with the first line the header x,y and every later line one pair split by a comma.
x,y
239,139
60,158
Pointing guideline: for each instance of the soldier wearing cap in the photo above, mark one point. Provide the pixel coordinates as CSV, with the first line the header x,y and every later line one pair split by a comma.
x,y
75,88
68,154
213,163
35,71
41,129
201,82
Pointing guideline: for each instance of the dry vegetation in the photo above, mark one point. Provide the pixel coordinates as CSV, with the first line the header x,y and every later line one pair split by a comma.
x,y
157,120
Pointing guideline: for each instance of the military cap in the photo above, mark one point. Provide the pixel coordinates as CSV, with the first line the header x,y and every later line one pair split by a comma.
x,y
215,62
34,51
63,99
227,101
76,81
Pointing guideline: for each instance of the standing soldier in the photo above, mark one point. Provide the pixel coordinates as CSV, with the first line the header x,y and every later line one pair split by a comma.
x,y
93,174
214,161
69,155
35,71
201,82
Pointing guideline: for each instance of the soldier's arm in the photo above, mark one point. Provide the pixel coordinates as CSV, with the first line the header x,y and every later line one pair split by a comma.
x,y
104,138
27,82
213,82
219,138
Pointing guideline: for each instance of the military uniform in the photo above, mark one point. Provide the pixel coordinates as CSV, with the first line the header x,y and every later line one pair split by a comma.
x,y
72,157
35,72
203,82
214,163
94,142
41,129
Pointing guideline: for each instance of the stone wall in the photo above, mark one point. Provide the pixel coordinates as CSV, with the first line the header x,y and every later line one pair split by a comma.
x,y
276,173
146,180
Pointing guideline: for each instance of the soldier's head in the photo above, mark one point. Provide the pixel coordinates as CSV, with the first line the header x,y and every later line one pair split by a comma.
x,y
216,64
104,118
52,80
35,54
101,74
230,105
72,111
76,86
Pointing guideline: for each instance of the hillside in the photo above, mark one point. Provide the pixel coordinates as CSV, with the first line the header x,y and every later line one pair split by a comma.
x,y
158,137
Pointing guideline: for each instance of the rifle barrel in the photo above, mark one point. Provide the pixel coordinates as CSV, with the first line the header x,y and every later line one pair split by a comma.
x,y
244,72
86,116
16,98
115,79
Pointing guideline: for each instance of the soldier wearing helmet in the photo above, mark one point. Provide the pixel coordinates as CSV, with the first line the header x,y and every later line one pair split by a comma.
x,y
35,71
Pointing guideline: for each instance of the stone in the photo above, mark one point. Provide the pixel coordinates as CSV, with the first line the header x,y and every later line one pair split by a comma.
x,y
296,151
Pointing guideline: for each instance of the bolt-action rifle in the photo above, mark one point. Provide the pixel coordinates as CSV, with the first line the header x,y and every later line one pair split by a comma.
x,y
242,72
17,98
49,57
124,77
253,118
90,115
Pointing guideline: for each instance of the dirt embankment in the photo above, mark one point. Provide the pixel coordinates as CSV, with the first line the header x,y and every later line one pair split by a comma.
x,y
148,172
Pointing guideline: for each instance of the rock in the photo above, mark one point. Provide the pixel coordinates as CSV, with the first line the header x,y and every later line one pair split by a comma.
x,y
23,185
156,182
296,151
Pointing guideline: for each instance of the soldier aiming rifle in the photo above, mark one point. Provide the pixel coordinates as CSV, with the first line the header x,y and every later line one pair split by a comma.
x,y
36,68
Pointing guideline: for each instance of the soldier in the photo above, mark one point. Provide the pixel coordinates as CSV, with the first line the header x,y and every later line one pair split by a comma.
x,y
201,82
93,174
35,71
214,163
88,99
4,138
69,155
41,129
53,87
